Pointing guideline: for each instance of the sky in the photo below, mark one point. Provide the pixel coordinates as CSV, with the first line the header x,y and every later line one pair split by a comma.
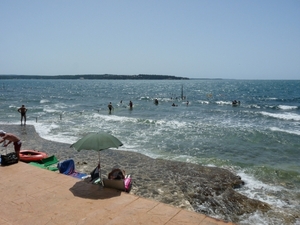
x,y
230,39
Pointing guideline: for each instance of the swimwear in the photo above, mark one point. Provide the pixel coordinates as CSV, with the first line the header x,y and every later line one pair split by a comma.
x,y
17,145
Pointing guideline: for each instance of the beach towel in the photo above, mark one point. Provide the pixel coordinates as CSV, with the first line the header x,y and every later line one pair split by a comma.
x,y
47,163
67,167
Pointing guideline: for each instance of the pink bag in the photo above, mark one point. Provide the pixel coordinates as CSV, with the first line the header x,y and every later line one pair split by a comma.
x,y
127,184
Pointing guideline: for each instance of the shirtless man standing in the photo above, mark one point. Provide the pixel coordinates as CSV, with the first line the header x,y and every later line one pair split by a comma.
x,y
11,138
23,111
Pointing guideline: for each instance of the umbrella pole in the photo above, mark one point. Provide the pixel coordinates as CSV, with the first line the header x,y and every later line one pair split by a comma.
x,y
100,169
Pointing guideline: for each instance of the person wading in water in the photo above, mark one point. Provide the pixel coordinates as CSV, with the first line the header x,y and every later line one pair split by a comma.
x,y
110,107
23,111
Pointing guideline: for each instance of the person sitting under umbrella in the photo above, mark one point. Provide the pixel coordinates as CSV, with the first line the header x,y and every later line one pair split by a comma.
x,y
116,174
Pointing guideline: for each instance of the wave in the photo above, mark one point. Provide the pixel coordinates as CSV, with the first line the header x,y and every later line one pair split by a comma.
x,y
265,192
297,132
287,107
255,106
271,98
214,102
44,101
203,102
224,102
274,107
174,124
256,189
58,107
145,98
283,116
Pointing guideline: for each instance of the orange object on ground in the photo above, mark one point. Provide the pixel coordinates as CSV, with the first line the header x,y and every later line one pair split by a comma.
x,y
32,155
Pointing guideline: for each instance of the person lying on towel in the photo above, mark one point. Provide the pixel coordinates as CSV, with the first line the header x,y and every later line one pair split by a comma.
x,y
116,174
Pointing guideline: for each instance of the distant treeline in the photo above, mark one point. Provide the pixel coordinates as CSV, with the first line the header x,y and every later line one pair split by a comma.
x,y
97,77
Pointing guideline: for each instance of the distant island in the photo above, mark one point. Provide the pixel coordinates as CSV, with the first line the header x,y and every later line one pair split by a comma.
x,y
97,77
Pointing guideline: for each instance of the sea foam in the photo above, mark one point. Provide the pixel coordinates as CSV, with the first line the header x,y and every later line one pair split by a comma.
x,y
283,116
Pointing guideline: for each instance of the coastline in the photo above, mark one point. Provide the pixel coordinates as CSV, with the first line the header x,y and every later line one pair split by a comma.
x,y
183,185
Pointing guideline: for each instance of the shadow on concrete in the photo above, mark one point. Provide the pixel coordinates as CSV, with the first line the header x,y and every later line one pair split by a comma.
x,y
84,189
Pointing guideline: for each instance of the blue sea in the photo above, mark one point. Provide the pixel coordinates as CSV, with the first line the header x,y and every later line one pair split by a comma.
x,y
259,139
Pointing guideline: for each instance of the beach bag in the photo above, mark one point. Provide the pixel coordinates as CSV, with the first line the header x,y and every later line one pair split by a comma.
x,y
9,159
127,183
66,167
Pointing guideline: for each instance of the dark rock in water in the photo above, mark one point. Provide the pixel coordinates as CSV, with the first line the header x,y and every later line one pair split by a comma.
x,y
240,204
213,188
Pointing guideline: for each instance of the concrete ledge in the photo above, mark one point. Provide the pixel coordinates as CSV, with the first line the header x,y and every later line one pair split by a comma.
x,y
30,195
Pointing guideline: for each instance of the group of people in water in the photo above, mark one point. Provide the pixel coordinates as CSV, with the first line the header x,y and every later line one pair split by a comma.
x,y
111,108
235,102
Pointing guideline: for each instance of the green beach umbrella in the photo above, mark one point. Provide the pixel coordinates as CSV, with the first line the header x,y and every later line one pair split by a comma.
x,y
97,142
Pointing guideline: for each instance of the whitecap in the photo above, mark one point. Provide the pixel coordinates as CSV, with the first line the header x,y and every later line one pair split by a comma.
x,y
51,110
223,103
271,98
44,101
203,102
287,107
283,116
255,106
256,189
297,132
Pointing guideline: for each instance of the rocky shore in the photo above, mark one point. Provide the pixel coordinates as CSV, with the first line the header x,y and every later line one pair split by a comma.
x,y
209,190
